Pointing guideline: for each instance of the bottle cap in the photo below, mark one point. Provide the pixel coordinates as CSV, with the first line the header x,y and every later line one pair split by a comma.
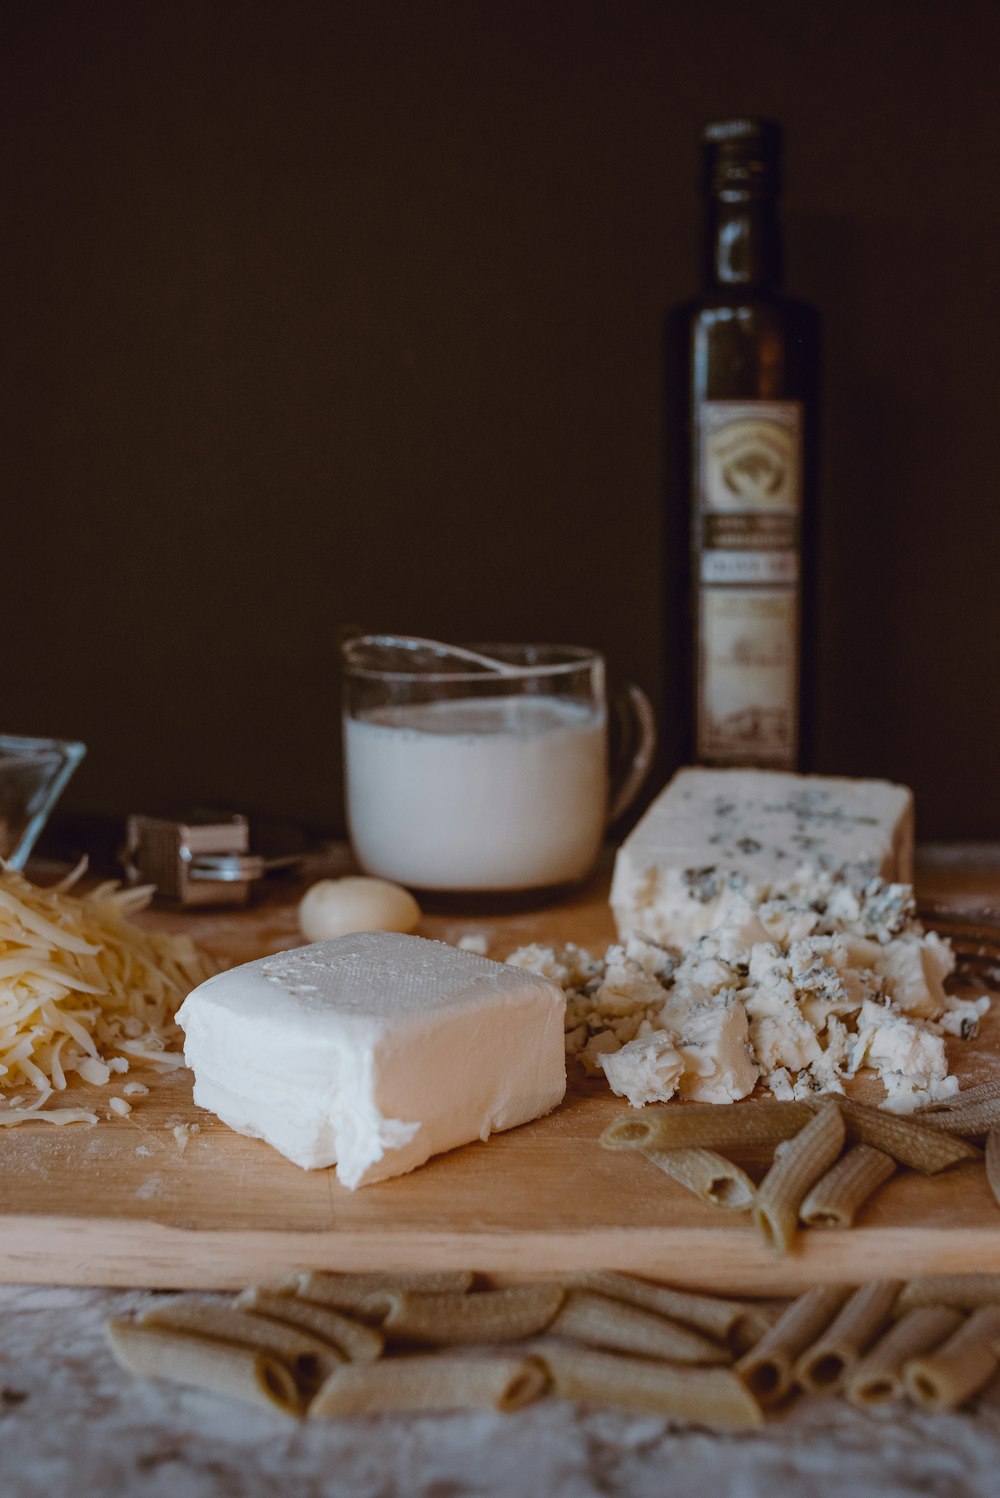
x,y
742,157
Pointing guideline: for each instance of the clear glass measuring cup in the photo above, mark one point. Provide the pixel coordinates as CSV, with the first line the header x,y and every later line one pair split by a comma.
x,y
483,769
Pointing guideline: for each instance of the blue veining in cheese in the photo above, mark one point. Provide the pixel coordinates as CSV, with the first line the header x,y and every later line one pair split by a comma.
x,y
769,935
715,833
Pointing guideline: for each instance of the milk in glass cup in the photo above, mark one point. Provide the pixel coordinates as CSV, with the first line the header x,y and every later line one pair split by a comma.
x,y
461,776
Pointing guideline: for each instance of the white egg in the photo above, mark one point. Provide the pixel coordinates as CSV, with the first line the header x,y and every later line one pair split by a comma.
x,y
336,907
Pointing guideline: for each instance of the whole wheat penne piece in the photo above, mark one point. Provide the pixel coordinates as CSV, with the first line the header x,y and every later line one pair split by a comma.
x,y
906,1139
962,1291
430,1381
823,1366
355,1341
971,1121
982,1093
730,1321
486,1316
759,1319
345,1291
877,1377
993,1161
701,1396
767,1368
713,1179
838,1196
309,1357
959,1368
798,1164
601,1322
706,1126
221,1367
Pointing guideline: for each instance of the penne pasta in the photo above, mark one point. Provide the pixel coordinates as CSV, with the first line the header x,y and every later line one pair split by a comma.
x,y
430,1381
356,1342
905,1138
221,1367
823,1366
601,1322
877,1378
486,1316
963,1291
702,1396
993,1161
310,1359
798,1164
758,1321
740,1323
960,1367
713,1179
345,1292
984,1092
972,1120
767,1368
706,1126
838,1196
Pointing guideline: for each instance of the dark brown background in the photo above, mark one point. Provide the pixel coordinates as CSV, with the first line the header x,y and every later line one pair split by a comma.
x,y
318,313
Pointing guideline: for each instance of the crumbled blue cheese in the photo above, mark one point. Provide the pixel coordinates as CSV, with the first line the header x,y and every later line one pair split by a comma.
x,y
646,1070
801,991
713,1041
907,1055
962,1016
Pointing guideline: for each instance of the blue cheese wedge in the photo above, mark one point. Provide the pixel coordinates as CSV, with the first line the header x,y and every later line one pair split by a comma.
x,y
374,1051
715,833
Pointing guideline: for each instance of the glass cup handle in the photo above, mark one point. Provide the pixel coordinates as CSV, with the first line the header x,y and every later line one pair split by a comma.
x,y
638,739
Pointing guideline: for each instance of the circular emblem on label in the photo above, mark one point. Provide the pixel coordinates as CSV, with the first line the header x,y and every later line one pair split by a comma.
x,y
754,475
749,464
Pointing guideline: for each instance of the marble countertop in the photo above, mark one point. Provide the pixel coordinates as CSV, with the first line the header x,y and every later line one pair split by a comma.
x,y
74,1425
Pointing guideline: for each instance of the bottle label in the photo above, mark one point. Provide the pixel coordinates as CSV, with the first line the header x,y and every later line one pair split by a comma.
x,y
747,533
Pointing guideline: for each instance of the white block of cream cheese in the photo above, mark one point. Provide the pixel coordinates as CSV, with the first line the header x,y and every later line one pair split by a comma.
x,y
374,1051
712,833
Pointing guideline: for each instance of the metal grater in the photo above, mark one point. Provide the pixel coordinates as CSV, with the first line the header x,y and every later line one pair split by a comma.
x,y
192,863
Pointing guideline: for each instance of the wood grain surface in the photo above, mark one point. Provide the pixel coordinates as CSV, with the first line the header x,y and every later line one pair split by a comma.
x,y
120,1203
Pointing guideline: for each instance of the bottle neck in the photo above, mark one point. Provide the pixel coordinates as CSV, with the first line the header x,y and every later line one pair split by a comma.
x,y
744,242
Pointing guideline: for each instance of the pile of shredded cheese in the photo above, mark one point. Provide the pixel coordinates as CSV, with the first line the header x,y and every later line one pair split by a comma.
x,y
84,991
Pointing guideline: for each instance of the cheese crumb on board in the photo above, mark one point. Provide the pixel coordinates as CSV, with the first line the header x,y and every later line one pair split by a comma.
x,y
182,1132
375,1051
714,833
800,992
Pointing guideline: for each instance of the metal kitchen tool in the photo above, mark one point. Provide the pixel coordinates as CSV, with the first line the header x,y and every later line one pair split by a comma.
x,y
196,862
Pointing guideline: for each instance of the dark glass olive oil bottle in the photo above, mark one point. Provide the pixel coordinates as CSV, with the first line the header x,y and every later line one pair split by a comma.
x,y
752,364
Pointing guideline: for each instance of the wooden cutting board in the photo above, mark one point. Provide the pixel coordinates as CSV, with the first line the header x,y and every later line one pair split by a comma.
x,y
121,1203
